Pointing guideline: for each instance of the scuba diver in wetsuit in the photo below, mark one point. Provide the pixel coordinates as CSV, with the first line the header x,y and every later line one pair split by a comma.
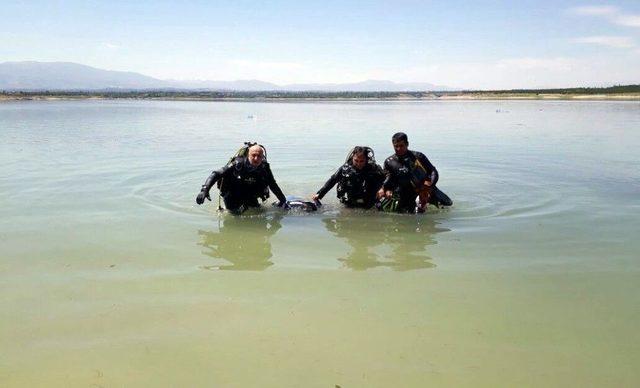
x,y
409,174
358,180
243,180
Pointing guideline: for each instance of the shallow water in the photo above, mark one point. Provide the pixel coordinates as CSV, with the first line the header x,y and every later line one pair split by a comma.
x,y
112,275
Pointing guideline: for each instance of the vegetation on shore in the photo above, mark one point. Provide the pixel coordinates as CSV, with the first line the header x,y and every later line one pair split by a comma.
x,y
619,91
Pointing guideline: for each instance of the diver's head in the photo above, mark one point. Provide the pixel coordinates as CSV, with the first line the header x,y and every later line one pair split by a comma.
x,y
255,155
359,158
400,143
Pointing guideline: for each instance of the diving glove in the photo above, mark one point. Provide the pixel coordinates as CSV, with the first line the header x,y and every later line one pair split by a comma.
x,y
201,196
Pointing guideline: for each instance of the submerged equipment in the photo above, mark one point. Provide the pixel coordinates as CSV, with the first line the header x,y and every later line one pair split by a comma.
x,y
390,205
297,203
306,206
438,199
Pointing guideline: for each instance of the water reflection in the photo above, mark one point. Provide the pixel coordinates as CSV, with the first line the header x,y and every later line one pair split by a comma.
x,y
242,241
405,238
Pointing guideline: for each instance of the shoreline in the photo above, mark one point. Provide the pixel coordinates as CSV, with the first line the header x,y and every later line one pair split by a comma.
x,y
431,97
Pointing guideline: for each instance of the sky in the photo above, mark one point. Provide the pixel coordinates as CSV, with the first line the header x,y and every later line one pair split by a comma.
x,y
461,44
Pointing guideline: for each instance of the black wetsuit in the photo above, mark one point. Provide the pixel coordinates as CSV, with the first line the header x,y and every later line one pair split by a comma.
x,y
404,176
356,188
241,184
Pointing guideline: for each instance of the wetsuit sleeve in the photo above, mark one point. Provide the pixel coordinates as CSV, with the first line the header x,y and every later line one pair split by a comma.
x,y
273,186
329,184
389,179
215,176
431,170
378,176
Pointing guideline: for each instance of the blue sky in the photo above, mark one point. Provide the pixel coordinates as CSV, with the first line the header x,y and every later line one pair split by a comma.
x,y
469,44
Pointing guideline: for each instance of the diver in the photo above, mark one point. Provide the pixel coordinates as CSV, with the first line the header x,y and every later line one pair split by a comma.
x,y
243,180
409,174
358,180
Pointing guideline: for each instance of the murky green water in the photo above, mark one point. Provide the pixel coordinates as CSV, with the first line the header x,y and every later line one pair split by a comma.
x,y
112,276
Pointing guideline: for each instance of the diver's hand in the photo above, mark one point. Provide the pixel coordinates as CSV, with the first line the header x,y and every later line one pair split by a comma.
x,y
386,194
201,196
315,197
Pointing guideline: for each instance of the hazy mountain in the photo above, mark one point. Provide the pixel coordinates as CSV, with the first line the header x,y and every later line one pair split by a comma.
x,y
67,75
73,76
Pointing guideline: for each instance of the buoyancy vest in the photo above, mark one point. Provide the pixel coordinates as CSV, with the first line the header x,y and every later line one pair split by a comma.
x,y
245,175
409,170
358,187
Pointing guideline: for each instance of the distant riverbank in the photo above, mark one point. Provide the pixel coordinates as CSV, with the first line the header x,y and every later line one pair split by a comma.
x,y
552,94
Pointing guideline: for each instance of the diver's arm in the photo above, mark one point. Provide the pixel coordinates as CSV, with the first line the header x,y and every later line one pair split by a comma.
x,y
389,182
208,184
431,169
329,184
273,186
378,176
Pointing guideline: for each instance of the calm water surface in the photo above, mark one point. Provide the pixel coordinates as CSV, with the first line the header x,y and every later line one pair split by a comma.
x,y
113,276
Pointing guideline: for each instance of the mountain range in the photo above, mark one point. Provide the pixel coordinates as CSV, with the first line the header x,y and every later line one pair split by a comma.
x,y
30,75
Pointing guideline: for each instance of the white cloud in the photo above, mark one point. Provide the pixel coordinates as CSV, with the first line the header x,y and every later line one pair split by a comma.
x,y
612,14
516,73
594,10
265,65
628,20
527,63
111,46
507,73
607,41
270,71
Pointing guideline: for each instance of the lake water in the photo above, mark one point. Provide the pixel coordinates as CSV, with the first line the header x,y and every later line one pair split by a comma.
x,y
113,276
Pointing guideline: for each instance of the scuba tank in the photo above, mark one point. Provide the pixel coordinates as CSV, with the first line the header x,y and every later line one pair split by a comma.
x,y
243,152
371,158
